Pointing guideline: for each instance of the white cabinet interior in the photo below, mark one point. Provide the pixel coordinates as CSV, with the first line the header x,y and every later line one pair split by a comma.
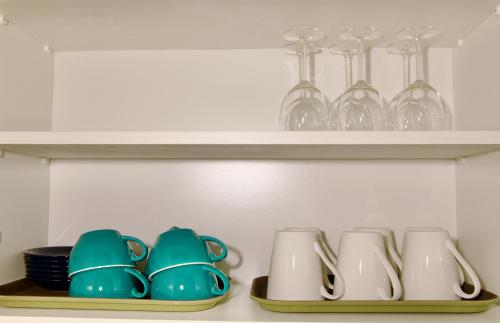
x,y
129,70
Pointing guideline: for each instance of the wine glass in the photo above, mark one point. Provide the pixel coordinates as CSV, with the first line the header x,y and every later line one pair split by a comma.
x,y
347,48
361,107
405,48
304,108
420,107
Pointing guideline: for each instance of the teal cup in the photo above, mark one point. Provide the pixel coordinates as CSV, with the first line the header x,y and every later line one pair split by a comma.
x,y
103,248
182,246
188,282
114,282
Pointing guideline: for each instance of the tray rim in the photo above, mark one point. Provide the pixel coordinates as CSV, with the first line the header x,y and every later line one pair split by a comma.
x,y
402,306
130,304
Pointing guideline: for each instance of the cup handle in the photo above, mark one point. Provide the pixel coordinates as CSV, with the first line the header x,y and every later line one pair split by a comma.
x,y
395,257
396,284
339,280
144,281
223,253
222,276
143,246
463,263
332,259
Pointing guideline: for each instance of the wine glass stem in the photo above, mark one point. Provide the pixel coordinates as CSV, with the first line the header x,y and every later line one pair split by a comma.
x,y
361,61
303,62
348,69
419,60
406,70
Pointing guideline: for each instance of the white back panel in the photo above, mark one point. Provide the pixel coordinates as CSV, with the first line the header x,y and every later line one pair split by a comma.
x,y
477,98
25,82
243,202
211,90
24,209
476,79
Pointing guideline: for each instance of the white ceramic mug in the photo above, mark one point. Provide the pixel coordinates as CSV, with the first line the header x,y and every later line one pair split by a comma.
x,y
363,263
430,270
390,245
296,272
431,229
326,248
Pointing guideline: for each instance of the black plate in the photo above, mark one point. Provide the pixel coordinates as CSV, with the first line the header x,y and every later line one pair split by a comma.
x,y
43,271
53,286
46,262
58,280
37,276
48,253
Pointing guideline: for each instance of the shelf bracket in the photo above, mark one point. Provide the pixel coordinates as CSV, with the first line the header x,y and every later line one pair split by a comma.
x,y
2,153
45,160
460,43
48,49
3,20
461,160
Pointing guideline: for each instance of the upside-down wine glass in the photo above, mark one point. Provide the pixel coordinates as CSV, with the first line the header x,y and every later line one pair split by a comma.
x,y
361,107
346,48
405,48
421,107
304,108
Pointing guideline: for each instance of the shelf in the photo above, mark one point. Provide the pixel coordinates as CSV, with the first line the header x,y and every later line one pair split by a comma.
x,y
239,308
187,24
252,145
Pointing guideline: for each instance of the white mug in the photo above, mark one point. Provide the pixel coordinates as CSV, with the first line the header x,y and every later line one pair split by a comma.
x,y
296,272
431,229
390,245
326,249
363,263
430,270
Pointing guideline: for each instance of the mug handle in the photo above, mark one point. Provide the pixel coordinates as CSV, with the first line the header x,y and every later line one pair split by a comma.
x,y
395,257
463,263
222,276
332,259
223,253
143,246
140,277
339,280
396,284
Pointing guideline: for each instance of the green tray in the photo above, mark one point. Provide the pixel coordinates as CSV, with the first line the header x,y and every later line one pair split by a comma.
x,y
482,303
26,294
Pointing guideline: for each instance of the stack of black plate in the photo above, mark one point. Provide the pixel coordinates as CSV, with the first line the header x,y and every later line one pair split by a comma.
x,y
48,267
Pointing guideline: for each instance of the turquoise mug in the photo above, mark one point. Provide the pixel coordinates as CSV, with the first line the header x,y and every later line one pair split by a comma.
x,y
188,282
103,248
114,282
180,246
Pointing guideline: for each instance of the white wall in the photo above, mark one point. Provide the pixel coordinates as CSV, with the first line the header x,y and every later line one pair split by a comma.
x,y
477,99
243,202
24,207
25,104
205,90
25,82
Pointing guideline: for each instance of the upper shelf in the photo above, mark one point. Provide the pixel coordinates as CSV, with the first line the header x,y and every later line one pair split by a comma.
x,y
191,24
252,145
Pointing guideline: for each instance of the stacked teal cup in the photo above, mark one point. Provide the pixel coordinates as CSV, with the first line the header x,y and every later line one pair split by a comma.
x,y
102,265
180,266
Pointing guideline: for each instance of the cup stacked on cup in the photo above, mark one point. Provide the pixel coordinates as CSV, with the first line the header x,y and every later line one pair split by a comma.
x,y
181,266
102,265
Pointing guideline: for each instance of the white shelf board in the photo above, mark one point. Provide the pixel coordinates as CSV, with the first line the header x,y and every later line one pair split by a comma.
x,y
252,145
80,25
238,308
